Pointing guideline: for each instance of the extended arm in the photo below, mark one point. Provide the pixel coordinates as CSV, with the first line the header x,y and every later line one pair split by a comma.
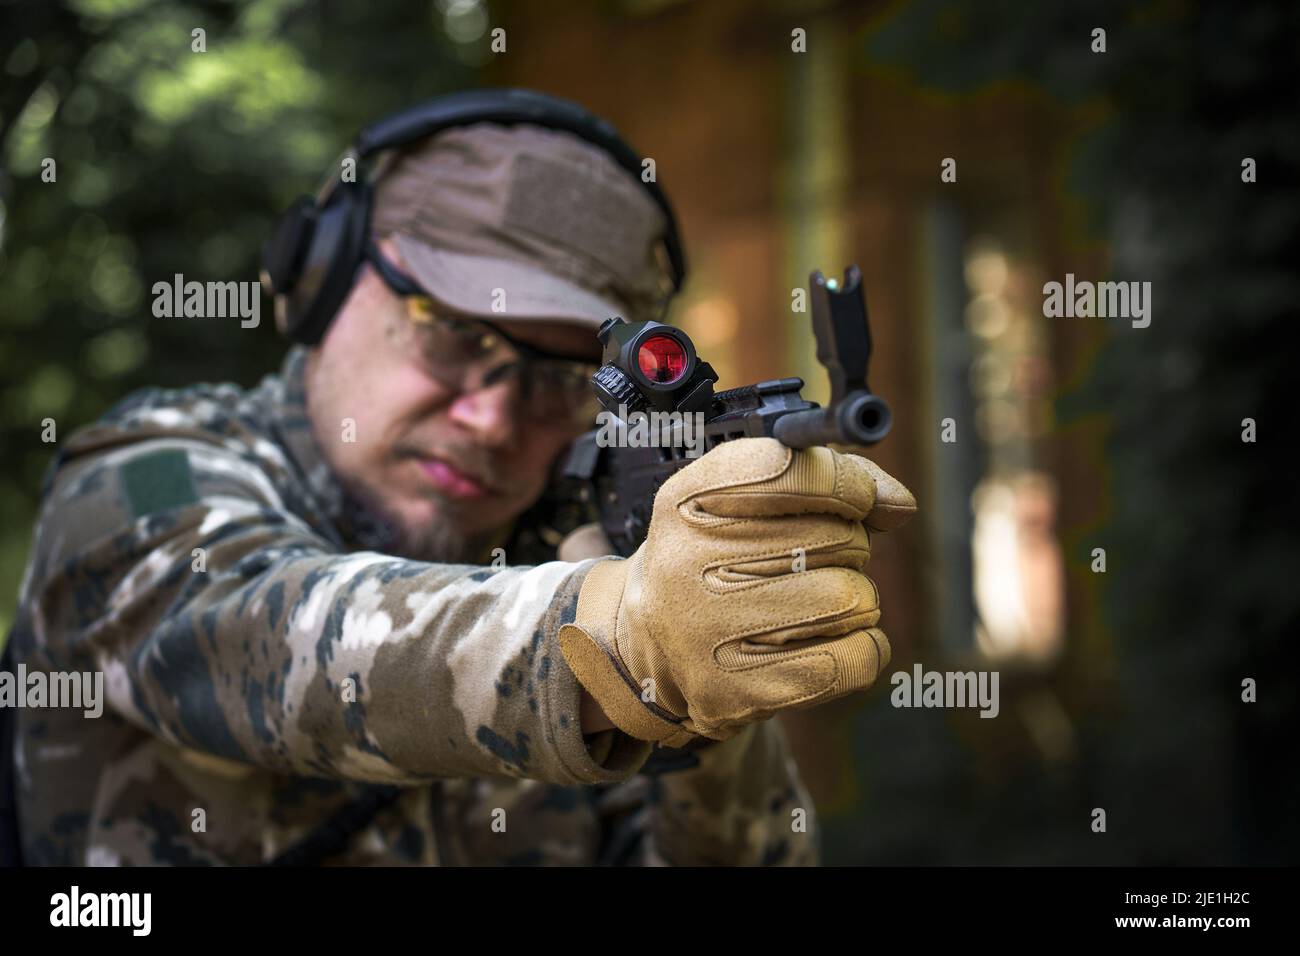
x,y
228,625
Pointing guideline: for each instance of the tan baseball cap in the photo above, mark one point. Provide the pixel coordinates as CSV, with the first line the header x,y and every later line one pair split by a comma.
x,y
524,222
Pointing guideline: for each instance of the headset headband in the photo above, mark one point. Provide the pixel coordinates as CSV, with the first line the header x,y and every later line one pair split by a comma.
x,y
310,260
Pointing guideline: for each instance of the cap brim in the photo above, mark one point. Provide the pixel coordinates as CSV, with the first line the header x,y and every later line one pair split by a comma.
x,y
501,288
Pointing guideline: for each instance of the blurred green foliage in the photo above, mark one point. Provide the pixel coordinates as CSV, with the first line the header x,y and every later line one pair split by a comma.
x,y
167,161
1199,591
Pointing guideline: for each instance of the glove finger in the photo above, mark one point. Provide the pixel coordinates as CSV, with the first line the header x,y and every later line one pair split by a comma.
x,y
894,505
797,679
813,604
769,547
737,462
768,479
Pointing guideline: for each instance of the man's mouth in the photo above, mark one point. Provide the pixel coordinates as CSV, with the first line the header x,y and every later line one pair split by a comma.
x,y
452,480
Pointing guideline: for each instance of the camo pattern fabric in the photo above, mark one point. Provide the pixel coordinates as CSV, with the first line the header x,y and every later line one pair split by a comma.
x,y
262,674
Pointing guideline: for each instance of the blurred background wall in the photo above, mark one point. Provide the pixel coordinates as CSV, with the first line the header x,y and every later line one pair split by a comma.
x,y
795,136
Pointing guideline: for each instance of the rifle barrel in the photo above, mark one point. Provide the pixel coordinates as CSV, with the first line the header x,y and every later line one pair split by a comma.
x,y
859,419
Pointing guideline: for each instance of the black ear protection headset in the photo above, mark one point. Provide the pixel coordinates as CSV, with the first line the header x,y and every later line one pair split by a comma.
x,y
318,243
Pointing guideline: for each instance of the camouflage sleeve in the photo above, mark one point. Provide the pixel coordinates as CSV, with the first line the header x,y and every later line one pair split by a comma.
x,y
228,625
744,805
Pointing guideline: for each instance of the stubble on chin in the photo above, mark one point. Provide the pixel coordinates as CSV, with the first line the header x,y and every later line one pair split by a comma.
x,y
368,522
376,527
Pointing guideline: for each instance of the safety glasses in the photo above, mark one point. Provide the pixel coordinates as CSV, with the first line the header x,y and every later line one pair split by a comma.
x,y
469,354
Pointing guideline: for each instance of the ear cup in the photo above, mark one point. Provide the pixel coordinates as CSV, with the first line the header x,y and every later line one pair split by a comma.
x,y
324,276
283,251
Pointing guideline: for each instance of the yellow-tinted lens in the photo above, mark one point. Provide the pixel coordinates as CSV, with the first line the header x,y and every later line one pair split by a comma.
x,y
471,354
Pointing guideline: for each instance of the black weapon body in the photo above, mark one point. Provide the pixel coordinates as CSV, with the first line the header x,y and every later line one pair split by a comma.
x,y
652,369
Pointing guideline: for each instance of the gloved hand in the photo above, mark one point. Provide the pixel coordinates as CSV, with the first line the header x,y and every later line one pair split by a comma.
x,y
713,607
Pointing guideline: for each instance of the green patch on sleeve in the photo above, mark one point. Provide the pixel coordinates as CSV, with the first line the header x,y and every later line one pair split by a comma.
x,y
158,481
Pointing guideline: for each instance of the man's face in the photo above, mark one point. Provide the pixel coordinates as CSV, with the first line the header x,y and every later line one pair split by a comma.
x,y
446,470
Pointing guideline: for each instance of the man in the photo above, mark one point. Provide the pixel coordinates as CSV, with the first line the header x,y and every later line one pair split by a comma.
x,y
313,648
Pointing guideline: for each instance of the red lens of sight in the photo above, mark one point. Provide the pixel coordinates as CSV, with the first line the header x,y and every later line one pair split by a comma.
x,y
662,359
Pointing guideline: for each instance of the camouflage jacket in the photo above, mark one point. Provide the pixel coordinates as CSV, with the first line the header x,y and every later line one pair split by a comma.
x,y
192,548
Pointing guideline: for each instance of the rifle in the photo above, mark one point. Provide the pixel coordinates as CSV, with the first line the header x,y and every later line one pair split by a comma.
x,y
650,369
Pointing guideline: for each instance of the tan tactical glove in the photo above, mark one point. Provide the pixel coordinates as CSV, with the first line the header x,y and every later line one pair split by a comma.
x,y
747,596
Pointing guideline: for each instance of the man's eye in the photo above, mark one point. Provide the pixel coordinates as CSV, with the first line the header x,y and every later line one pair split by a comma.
x,y
464,336
568,377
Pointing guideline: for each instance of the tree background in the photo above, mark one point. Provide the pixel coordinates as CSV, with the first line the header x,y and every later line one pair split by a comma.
x,y
167,161
1201,525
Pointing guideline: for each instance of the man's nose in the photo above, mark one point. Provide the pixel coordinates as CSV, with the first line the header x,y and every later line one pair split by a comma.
x,y
489,412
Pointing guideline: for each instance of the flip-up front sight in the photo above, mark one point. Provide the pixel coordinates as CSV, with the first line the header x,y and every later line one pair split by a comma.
x,y
841,325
